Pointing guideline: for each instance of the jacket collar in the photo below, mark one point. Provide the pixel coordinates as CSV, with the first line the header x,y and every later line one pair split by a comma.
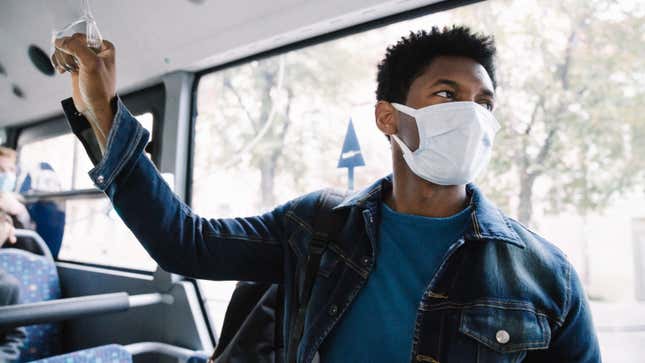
x,y
487,221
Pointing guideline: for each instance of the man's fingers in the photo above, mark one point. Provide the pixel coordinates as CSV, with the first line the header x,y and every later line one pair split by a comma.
x,y
107,45
69,61
12,235
7,230
56,62
64,60
107,52
76,46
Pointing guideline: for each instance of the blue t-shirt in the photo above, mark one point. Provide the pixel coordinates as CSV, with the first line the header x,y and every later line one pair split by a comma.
x,y
379,324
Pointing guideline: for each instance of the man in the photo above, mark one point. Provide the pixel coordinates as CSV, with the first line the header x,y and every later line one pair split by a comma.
x,y
424,269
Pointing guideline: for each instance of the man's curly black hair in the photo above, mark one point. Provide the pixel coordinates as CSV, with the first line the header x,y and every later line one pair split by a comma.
x,y
409,57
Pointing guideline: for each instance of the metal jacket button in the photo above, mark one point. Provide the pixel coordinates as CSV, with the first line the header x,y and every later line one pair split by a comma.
x,y
333,309
365,260
100,179
502,336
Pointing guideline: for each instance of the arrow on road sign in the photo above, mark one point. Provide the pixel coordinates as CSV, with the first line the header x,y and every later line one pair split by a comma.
x,y
350,156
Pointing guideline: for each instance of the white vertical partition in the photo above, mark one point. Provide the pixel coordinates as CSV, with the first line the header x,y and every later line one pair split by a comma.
x,y
175,132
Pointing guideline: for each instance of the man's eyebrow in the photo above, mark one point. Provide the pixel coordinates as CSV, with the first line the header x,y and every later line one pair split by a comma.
x,y
488,93
449,82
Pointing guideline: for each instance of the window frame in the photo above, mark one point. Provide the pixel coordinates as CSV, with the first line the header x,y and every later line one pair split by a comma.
x,y
151,99
438,7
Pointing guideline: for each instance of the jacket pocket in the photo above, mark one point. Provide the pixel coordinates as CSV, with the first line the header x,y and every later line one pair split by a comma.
x,y
504,334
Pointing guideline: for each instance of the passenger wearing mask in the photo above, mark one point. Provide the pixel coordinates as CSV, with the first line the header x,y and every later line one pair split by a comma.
x,y
10,202
424,268
46,217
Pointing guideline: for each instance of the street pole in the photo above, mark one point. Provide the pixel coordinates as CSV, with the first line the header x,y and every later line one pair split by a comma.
x,y
350,178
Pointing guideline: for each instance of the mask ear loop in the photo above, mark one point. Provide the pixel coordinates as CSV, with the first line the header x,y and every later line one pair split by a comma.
x,y
411,112
405,109
406,150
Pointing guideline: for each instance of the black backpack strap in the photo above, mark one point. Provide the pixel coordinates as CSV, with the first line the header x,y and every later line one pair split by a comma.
x,y
326,226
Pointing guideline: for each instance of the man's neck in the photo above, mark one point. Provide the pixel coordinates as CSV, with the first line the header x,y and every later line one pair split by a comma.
x,y
413,195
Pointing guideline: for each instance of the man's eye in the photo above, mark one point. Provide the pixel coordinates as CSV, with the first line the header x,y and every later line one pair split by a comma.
x,y
488,105
445,94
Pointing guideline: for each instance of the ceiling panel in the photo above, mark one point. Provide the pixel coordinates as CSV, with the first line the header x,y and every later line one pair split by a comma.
x,y
156,37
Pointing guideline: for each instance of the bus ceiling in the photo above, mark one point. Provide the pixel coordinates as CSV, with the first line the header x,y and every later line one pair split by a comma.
x,y
219,32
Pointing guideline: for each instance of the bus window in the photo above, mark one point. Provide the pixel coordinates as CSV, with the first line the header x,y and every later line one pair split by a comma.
x,y
93,233
565,162
286,140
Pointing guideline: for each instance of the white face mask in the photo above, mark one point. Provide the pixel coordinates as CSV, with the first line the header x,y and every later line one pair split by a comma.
x,y
7,181
455,141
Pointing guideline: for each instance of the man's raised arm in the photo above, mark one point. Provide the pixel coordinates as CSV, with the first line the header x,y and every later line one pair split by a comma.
x,y
180,241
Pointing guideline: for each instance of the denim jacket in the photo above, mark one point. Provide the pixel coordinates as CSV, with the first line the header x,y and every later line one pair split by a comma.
x,y
502,293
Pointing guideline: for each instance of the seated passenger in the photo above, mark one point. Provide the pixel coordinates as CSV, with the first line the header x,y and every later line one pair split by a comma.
x,y
11,202
11,340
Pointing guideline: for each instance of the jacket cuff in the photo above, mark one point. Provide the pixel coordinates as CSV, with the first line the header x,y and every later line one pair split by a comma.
x,y
83,130
125,142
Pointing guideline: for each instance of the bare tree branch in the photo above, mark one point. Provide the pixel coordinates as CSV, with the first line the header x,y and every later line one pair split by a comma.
x,y
229,86
285,126
564,68
546,146
538,106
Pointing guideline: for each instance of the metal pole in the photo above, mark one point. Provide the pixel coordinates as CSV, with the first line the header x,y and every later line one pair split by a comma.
x,y
350,178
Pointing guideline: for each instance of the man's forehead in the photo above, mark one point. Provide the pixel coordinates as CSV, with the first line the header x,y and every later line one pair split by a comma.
x,y
465,71
7,161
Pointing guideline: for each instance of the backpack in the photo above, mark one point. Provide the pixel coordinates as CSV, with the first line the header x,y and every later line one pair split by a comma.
x,y
252,329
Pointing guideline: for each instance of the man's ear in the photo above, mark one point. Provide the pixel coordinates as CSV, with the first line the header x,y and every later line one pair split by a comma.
x,y
386,118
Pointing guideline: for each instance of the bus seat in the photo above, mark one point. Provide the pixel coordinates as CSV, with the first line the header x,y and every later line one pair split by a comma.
x,y
38,282
115,353
112,353
31,241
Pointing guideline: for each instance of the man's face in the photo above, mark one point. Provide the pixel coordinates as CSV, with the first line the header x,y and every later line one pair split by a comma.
x,y
446,79
7,165
450,78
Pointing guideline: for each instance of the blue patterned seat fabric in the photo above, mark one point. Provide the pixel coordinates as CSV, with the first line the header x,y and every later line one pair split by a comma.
x,y
112,353
38,282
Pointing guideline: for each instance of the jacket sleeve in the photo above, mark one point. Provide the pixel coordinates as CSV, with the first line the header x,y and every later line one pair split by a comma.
x,y
179,240
576,340
11,340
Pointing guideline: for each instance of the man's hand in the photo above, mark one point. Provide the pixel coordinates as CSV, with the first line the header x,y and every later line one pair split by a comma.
x,y
93,80
10,203
13,204
7,231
